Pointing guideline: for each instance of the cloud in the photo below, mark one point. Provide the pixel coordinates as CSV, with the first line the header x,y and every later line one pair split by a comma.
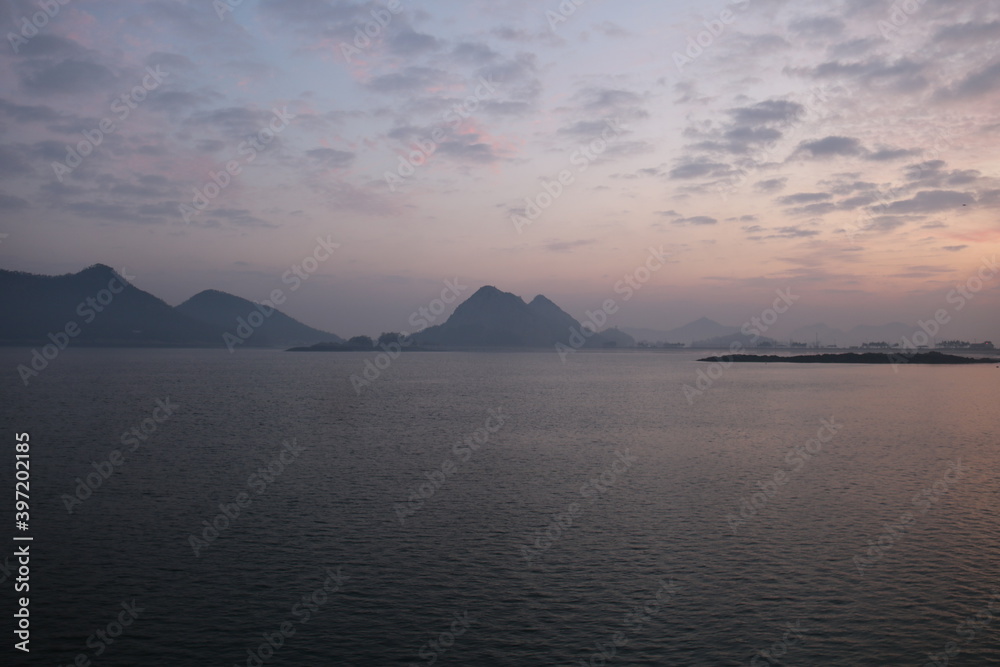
x,y
794,232
13,161
885,223
595,104
468,147
12,203
68,77
609,29
966,33
758,233
931,201
407,42
586,128
832,146
769,111
932,174
803,198
853,47
238,217
753,135
411,79
509,34
698,168
169,61
48,45
603,99
955,248
974,85
699,220
507,108
902,75
857,201
475,52
567,246
922,271
746,131
239,120
886,154
817,27
330,157
175,101
22,113
771,185
814,210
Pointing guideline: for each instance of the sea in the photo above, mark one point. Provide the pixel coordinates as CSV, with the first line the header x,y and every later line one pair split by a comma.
x,y
196,507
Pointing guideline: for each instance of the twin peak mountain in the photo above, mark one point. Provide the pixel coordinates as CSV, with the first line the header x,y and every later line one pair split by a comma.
x,y
491,318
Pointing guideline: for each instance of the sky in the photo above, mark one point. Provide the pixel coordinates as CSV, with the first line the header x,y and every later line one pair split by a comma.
x,y
844,152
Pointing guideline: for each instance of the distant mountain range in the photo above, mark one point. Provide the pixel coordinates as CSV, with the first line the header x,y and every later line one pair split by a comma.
x,y
827,335
700,330
708,333
97,306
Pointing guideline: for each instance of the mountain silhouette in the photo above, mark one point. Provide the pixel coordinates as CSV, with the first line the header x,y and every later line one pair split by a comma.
x,y
98,304
492,318
223,312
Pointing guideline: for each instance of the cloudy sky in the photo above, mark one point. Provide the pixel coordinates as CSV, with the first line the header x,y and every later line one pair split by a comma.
x,y
846,150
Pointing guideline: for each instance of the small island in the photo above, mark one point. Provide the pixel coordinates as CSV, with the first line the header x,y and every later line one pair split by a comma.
x,y
901,357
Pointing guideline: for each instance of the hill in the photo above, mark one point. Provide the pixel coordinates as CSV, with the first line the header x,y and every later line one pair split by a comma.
x,y
98,304
226,313
492,318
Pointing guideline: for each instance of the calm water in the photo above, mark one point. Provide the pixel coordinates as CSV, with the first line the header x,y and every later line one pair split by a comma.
x,y
650,530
